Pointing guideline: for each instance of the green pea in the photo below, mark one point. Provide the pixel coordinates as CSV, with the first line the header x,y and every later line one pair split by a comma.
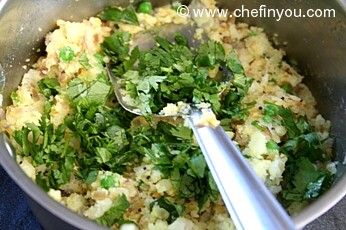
x,y
66,54
145,7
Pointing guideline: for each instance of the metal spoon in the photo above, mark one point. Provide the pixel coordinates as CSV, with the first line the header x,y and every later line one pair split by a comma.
x,y
250,204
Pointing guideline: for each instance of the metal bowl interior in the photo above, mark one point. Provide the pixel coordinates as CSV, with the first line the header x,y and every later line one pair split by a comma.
x,y
317,44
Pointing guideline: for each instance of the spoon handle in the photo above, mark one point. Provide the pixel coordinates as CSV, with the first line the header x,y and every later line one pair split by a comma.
x,y
250,204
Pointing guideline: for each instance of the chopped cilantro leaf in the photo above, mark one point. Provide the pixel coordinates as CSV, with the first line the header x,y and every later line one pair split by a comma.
x,y
85,95
103,155
55,152
116,213
198,165
174,210
91,177
48,86
84,61
308,145
209,54
116,45
307,183
234,64
127,15
103,138
76,88
304,179
182,132
98,92
272,111
178,159
172,71
117,48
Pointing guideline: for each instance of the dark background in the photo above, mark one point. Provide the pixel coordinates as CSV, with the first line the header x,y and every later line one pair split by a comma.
x,y
16,215
14,211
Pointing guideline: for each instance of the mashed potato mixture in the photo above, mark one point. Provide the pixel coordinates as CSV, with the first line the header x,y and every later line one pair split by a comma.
x,y
141,172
